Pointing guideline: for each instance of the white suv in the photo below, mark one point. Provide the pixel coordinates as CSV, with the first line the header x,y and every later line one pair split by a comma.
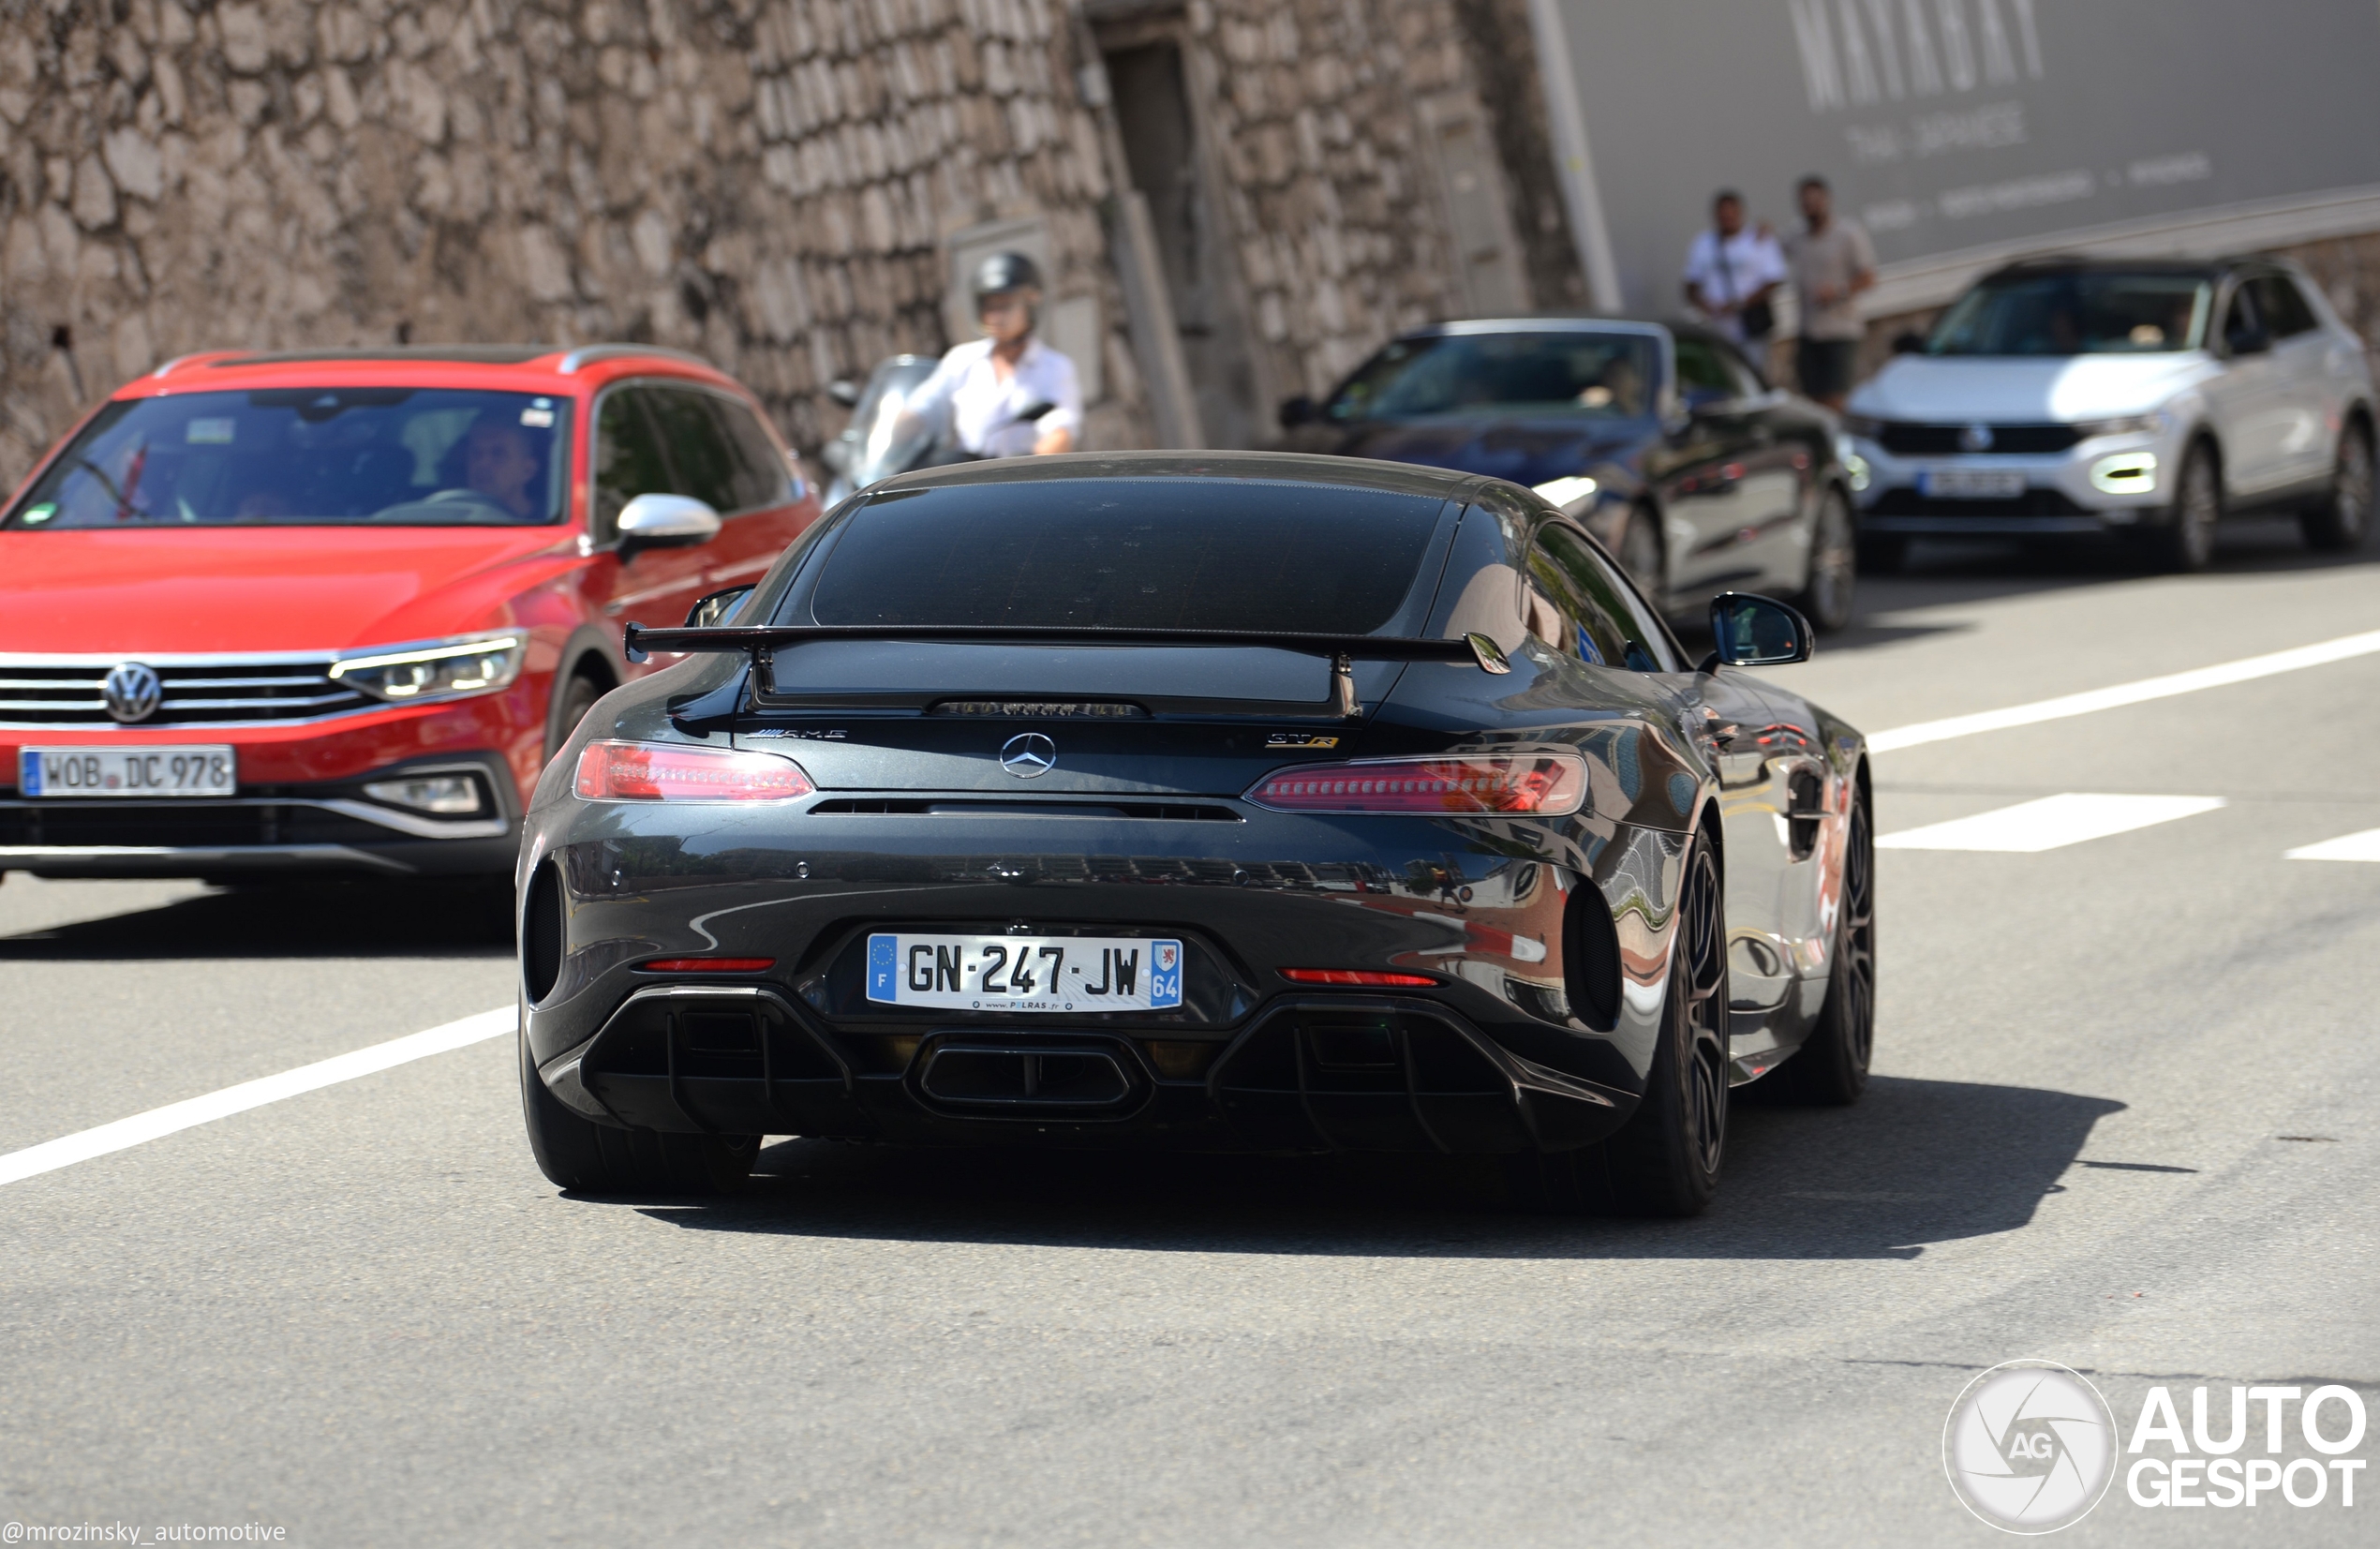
x,y
2073,395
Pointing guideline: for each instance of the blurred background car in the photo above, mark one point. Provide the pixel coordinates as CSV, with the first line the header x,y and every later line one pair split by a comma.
x,y
331,612
2148,399
1661,438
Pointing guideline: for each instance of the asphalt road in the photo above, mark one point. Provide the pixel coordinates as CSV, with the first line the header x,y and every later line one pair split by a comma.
x,y
2122,1120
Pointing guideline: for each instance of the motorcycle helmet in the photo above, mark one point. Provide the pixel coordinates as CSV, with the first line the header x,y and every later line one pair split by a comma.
x,y
1006,271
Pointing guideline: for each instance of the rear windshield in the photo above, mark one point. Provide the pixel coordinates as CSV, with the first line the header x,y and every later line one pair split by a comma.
x,y
1144,554
310,457
1560,372
2075,312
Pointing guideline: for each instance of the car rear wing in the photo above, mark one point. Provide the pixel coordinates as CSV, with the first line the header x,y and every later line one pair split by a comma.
x,y
762,642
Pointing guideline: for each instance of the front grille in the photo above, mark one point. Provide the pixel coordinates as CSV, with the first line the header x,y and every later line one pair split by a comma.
x,y
181,825
1907,439
2032,502
38,694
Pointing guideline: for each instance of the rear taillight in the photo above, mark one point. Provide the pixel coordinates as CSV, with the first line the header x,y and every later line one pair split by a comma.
x,y
1531,784
708,965
1358,976
661,771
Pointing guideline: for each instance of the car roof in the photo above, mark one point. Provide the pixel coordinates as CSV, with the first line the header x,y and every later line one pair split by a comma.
x,y
522,368
1273,466
2092,263
1550,322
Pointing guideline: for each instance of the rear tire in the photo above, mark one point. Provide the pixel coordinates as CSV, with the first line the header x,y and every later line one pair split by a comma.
x,y
2187,541
2342,522
1665,1160
578,1154
1834,566
1830,1069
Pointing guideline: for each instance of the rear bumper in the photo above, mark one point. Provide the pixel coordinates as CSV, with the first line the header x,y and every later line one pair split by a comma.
x,y
1306,1072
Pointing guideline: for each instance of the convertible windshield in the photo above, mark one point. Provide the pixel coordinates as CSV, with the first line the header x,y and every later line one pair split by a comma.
x,y
1215,554
311,458
1601,376
2076,312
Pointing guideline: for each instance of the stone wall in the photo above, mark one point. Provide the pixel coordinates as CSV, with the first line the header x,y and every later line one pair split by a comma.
x,y
764,182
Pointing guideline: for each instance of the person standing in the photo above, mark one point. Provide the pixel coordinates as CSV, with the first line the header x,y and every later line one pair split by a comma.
x,y
1731,274
1007,394
1832,262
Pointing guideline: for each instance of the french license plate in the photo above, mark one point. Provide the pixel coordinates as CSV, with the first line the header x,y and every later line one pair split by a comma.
x,y
1970,483
1037,973
145,771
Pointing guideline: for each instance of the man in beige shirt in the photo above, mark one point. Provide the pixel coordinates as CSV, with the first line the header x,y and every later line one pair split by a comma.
x,y
1832,262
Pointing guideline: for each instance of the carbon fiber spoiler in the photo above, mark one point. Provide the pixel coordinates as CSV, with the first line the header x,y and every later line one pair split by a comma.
x,y
1341,651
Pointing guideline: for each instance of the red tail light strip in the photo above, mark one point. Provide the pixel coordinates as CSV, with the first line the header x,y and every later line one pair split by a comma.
x,y
1527,784
1358,975
707,965
661,771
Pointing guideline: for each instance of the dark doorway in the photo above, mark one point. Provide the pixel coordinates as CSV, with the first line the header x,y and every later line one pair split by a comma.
x,y
1160,144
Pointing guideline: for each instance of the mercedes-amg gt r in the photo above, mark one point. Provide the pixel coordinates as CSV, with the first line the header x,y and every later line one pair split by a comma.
x,y
1228,801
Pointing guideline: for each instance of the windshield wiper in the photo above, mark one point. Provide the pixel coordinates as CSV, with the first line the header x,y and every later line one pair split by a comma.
x,y
762,642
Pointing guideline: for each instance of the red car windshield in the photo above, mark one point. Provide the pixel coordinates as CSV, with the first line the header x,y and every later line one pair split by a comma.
x,y
305,456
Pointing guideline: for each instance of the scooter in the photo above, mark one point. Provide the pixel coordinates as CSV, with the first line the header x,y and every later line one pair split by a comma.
x,y
883,437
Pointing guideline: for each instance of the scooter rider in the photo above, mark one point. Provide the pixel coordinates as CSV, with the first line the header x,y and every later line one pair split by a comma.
x,y
1006,394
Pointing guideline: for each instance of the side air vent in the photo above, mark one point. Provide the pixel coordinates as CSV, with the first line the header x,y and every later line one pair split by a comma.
x,y
541,932
1591,958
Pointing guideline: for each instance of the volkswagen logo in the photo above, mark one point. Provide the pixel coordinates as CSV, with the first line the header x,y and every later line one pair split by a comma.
x,y
1028,755
131,692
1975,438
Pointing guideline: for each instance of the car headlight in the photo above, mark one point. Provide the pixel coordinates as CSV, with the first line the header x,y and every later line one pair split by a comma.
x,y
1855,467
1868,425
446,669
2131,425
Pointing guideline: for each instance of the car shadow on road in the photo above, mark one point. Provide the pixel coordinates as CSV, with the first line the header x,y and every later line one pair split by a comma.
x,y
1916,1162
318,919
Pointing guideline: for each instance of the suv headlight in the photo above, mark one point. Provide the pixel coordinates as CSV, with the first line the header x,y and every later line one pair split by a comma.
x,y
2131,425
446,669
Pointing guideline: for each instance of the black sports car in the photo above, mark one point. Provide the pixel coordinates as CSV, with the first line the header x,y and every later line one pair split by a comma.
x,y
1662,438
1232,801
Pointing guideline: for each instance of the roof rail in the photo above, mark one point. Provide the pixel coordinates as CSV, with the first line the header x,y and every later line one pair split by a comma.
x,y
167,369
587,353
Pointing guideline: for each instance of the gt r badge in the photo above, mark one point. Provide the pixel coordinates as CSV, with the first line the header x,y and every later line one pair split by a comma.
x,y
1300,739
131,692
1028,755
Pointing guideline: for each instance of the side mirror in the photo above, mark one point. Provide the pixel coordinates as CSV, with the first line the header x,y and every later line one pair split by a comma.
x,y
1909,344
1751,630
1299,410
716,608
844,392
664,521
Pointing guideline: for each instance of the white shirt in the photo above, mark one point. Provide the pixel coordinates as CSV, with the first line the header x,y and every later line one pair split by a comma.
x,y
1749,263
984,410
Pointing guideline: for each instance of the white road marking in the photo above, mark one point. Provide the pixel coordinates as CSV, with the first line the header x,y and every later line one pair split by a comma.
x,y
2050,822
123,1134
2362,846
2245,670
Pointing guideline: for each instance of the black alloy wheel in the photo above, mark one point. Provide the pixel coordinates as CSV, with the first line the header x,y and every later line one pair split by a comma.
x,y
2187,541
1640,553
1834,567
1665,1160
578,697
1829,1068
2342,523
578,1154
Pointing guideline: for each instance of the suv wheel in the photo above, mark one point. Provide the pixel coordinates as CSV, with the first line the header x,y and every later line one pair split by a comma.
x,y
2187,541
2343,519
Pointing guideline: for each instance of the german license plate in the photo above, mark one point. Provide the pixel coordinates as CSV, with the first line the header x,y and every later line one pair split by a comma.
x,y
51,773
1038,973
1970,483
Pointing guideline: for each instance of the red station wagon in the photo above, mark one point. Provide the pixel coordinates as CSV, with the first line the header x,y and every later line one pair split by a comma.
x,y
332,612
